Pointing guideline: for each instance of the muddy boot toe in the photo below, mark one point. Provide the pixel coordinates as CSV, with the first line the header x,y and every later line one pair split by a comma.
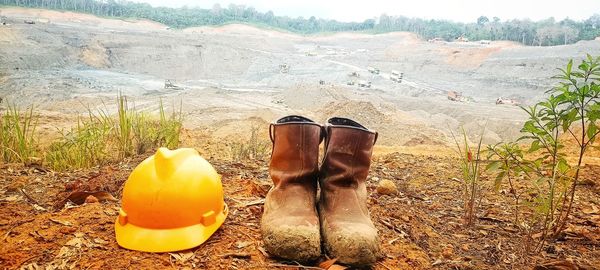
x,y
300,243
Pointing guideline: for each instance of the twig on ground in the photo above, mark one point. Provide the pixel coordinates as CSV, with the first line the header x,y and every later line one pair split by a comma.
x,y
297,265
242,255
245,234
385,266
255,202
492,219
30,198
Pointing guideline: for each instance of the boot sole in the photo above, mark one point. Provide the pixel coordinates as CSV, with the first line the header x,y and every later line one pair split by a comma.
x,y
300,243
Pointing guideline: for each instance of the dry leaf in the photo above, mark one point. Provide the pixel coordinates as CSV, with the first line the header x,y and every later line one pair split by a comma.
x,y
591,210
64,252
264,252
100,241
328,263
557,265
31,266
537,235
11,198
38,208
337,267
62,222
437,262
75,242
242,244
182,257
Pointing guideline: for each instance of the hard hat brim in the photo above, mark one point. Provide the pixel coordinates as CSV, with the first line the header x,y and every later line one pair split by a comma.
x,y
133,237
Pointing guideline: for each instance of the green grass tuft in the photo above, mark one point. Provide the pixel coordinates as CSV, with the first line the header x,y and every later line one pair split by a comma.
x,y
103,138
17,134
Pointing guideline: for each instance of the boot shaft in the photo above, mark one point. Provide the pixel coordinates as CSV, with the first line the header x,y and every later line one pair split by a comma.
x,y
295,154
290,223
346,228
348,151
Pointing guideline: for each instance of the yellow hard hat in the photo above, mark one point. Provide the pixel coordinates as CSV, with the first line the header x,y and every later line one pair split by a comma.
x,y
172,201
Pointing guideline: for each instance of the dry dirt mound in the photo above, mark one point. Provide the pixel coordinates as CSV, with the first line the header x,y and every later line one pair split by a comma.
x,y
394,127
467,57
9,35
95,55
361,111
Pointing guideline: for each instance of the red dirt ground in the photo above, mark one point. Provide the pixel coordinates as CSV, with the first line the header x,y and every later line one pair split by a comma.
x,y
420,227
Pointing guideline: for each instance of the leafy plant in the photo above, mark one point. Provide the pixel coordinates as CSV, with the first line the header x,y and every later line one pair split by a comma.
x,y
579,92
571,110
470,166
17,134
511,164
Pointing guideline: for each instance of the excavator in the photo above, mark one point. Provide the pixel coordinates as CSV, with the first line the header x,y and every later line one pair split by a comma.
x,y
170,85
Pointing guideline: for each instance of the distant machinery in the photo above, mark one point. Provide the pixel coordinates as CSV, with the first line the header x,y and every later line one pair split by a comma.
x,y
365,84
170,85
396,76
284,68
373,70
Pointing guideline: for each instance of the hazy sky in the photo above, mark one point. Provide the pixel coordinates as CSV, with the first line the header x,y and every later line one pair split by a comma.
x,y
456,10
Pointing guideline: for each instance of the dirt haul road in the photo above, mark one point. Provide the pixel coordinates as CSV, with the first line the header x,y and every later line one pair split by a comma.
x,y
67,62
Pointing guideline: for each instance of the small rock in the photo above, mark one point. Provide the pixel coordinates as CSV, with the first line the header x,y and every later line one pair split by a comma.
x,y
386,187
67,230
91,199
448,252
464,247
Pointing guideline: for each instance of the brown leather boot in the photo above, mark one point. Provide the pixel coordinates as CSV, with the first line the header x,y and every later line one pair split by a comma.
x,y
290,224
347,230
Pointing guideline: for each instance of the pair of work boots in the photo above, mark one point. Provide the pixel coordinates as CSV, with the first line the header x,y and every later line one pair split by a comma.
x,y
295,222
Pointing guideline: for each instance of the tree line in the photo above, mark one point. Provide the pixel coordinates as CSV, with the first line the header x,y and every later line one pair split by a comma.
x,y
546,32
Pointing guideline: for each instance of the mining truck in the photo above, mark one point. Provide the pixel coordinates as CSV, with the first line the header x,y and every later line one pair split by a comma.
x,y
373,70
363,83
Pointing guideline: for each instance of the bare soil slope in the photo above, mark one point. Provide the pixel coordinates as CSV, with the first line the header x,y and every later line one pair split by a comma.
x,y
66,56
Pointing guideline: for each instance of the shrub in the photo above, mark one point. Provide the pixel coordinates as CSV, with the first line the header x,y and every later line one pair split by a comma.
x,y
572,109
